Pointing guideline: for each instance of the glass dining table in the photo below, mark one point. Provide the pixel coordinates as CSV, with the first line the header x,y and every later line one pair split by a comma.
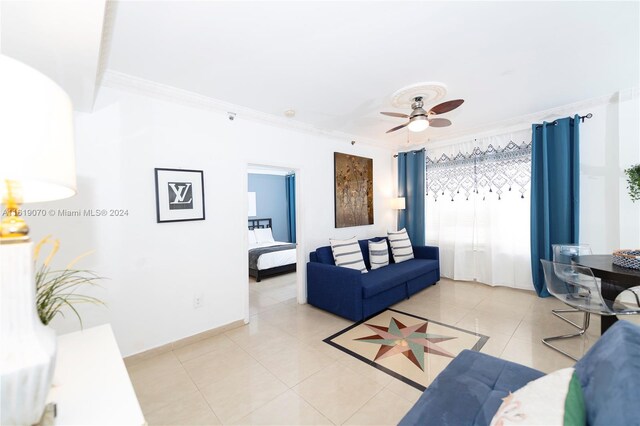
x,y
615,280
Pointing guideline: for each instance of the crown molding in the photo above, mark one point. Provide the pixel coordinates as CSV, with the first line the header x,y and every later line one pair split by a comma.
x,y
141,86
523,122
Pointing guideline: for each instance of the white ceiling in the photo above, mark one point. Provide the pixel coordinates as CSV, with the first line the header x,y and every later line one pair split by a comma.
x,y
337,63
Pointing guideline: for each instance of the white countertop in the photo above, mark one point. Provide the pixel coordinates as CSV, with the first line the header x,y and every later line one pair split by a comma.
x,y
91,385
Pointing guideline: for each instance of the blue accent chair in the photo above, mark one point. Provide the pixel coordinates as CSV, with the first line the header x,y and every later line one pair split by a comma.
x,y
470,390
356,296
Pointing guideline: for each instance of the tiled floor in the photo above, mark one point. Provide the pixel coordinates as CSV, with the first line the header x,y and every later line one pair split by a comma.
x,y
277,370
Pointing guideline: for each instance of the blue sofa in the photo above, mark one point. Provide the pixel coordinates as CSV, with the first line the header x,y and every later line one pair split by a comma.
x,y
470,390
356,296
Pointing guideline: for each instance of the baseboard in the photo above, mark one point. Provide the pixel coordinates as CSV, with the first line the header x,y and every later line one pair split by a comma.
x,y
141,356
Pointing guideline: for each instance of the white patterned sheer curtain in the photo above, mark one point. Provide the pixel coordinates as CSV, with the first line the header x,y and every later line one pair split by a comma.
x,y
478,209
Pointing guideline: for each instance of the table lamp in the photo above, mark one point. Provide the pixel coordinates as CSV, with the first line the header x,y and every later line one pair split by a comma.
x,y
37,163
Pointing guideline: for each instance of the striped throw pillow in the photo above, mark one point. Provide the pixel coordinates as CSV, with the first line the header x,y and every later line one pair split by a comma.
x,y
378,254
400,245
347,254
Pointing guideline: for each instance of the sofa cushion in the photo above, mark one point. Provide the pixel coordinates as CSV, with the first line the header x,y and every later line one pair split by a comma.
x,y
348,254
469,391
378,254
325,255
609,375
554,399
395,274
364,248
400,245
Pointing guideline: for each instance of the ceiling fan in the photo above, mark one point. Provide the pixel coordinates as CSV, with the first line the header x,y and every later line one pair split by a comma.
x,y
419,119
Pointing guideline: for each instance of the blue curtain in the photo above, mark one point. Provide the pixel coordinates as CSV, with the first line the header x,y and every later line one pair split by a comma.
x,y
291,206
555,191
411,186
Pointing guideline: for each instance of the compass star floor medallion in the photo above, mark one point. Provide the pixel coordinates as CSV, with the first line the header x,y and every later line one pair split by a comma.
x,y
411,342
408,347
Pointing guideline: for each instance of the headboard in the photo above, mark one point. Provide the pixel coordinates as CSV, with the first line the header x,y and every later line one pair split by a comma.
x,y
260,223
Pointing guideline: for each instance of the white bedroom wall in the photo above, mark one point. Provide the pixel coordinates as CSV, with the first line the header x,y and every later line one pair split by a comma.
x,y
155,270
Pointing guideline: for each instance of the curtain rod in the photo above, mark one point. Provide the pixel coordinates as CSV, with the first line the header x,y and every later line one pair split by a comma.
x,y
409,152
553,123
581,118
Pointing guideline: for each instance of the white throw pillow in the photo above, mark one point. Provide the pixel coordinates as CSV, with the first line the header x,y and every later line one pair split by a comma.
x,y
378,254
347,254
264,235
400,245
252,237
554,399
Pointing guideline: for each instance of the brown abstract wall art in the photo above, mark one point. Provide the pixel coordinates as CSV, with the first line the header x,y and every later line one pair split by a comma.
x,y
353,184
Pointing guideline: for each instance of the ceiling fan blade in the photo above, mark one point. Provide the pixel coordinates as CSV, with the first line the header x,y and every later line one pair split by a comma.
x,y
439,122
395,114
446,106
398,127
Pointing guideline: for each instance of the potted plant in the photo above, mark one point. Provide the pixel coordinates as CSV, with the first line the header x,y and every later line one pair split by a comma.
x,y
57,289
633,181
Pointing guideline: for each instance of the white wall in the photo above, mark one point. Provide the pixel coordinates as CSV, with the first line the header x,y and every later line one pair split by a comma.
x,y
609,143
155,270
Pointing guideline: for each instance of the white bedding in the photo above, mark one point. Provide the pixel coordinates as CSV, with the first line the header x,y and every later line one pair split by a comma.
x,y
276,258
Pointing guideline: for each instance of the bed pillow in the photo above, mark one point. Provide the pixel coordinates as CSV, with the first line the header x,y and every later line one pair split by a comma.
x,y
347,254
378,254
264,235
554,399
400,245
252,237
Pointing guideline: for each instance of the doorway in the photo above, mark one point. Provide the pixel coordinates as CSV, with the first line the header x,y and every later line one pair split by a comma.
x,y
272,239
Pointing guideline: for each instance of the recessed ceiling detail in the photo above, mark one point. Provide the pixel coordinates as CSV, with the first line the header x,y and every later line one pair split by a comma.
x,y
430,91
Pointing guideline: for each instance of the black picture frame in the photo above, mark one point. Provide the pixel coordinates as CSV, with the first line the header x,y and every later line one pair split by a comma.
x,y
183,211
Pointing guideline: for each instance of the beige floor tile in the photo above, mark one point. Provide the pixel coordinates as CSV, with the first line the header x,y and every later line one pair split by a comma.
x,y
219,344
261,302
260,339
496,344
536,355
385,408
286,409
404,390
155,393
337,392
294,363
522,299
238,395
433,310
488,323
154,367
502,309
366,370
216,366
191,409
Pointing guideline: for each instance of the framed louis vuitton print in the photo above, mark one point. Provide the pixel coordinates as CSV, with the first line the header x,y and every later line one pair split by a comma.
x,y
179,195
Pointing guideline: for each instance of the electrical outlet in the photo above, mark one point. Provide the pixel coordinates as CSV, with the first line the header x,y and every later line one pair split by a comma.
x,y
197,301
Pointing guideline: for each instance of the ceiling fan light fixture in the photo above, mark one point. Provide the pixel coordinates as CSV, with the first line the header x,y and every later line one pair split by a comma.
x,y
418,124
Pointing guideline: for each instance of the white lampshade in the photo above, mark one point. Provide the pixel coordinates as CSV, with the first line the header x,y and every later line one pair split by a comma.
x,y
36,134
398,203
418,123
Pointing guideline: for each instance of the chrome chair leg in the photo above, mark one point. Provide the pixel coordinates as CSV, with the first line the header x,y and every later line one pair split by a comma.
x,y
557,313
581,331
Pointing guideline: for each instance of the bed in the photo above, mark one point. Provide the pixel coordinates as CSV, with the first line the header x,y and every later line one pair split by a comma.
x,y
268,258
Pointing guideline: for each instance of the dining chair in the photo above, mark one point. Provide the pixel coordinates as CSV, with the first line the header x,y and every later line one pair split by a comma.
x,y
566,253
578,288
